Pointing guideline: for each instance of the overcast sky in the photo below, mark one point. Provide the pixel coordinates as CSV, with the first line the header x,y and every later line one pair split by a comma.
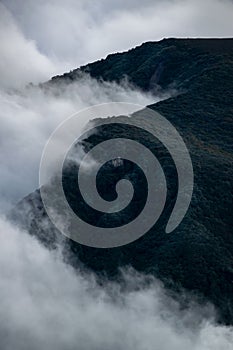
x,y
45,37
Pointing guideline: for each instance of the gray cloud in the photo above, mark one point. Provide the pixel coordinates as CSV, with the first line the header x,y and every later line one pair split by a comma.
x,y
54,36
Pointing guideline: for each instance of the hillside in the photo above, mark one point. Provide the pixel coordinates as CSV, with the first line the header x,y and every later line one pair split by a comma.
x,y
198,256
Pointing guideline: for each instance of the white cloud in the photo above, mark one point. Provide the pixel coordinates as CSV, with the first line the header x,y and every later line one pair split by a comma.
x,y
29,117
45,304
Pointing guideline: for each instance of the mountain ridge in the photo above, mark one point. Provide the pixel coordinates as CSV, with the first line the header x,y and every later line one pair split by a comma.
x,y
196,45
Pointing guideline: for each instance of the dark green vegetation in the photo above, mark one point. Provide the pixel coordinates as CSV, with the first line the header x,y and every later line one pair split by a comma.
x,y
198,255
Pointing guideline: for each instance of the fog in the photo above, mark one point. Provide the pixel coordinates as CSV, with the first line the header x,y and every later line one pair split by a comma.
x,y
45,304
30,115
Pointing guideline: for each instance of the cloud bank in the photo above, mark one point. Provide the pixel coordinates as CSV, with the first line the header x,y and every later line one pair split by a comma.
x,y
45,304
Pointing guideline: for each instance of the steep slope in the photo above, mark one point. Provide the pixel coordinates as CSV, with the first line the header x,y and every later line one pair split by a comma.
x,y
199,254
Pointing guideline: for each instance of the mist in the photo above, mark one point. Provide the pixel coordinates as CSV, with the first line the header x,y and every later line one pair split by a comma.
x,y
44,303
29,116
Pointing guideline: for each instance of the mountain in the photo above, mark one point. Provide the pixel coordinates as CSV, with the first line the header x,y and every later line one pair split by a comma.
x,y
198,255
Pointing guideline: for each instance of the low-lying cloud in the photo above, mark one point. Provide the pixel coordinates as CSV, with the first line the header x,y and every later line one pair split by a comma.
x,y
45,304
30,115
